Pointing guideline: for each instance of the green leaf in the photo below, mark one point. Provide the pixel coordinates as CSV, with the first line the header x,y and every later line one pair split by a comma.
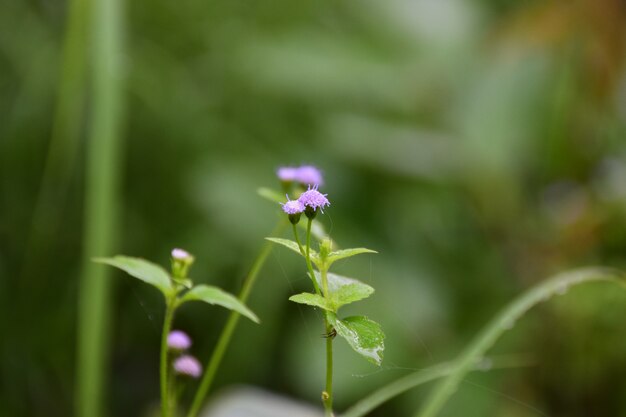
x,y
362,334
290,244
313,300
344,290
144,270
271,195
346,253
217,296
504,321
350,293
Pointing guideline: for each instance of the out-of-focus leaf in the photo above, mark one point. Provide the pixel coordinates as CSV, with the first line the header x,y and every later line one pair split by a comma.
x,y
144,270
271,195
504,321
217,296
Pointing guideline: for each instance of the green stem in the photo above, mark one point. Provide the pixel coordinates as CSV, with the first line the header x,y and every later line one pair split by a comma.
x,y
307,256
328,392
171,389
297,236
327,395
324,274
227,333
167,325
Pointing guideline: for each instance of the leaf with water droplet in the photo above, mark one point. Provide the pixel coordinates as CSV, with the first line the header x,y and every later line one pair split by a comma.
x,y
364,336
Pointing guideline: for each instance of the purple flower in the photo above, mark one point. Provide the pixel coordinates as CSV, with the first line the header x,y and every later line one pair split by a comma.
x,y
314,199
178,340
293,206
287,174
187,365
180,254
309,175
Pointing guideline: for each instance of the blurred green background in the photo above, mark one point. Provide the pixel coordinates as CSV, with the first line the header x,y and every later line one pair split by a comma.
x,y
477,145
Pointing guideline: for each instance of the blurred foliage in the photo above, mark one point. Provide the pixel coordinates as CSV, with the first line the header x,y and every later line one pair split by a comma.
x,y
478,146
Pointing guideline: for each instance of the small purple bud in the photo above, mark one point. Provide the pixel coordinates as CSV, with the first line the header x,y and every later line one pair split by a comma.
x,y
287,174
309,175
180,254
293,206
187,365
181,261
294,209
178,340
313,199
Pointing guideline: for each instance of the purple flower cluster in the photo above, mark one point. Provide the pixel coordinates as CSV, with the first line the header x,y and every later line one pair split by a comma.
x,y
305,174
314,199
311,199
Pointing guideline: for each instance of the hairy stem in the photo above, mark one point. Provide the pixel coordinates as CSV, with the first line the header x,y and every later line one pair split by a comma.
x,y
297,236
231,324
167,325
307,255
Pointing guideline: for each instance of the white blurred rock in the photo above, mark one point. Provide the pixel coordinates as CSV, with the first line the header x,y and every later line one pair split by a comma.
x,y
254,402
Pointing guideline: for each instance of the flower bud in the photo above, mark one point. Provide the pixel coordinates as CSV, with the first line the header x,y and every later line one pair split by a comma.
x,y
294,209
181,261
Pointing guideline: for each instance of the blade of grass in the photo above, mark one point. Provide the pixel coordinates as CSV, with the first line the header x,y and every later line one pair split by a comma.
x,y
399,386
504,321
64,141
231,324
101,193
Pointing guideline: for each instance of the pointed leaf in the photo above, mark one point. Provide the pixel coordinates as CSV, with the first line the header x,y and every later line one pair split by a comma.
x,y
214,295
290,244
362,334
144,270
344,290
313,300
346,253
